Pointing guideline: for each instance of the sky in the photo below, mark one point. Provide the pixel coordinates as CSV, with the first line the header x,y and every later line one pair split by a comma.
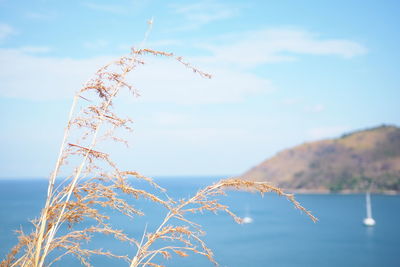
x,y
284,73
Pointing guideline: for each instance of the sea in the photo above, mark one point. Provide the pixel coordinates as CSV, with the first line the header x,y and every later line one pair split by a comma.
x,y
279,235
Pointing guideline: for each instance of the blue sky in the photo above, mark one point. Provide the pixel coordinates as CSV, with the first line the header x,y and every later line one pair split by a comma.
x,y
285,72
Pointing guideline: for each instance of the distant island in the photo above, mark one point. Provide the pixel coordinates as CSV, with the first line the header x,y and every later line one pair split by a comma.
x,y
355,162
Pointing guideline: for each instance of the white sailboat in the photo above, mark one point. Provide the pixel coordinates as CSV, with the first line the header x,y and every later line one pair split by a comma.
x,y
369,221
247,218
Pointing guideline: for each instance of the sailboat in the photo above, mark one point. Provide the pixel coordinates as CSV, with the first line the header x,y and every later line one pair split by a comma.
x,y
369,221
247,218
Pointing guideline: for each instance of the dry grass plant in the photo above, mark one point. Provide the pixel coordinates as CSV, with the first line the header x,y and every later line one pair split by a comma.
x,y
96,182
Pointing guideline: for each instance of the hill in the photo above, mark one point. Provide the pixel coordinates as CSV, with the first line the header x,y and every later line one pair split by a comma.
x,y
352,163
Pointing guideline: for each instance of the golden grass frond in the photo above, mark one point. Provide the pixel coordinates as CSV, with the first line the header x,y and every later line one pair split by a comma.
x,y
95,184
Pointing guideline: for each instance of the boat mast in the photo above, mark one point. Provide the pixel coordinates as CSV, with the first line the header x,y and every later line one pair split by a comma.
x,y
368,201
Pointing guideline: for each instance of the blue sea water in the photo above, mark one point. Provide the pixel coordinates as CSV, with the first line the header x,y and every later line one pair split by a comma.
x,y
279,235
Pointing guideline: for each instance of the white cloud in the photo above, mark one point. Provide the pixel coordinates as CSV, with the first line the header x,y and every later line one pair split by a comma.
x,y
202,13
327,132
276,45
291,101
6,31
26,75
97,44
170,118
46,15
199,137
116,9
38,77
30,76
169,81
34,49
317,108
164,43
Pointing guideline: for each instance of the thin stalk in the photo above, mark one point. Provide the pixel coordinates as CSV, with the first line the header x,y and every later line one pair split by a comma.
x,y
52,182
76,177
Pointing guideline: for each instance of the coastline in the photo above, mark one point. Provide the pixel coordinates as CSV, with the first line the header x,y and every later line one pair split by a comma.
x,y
343,192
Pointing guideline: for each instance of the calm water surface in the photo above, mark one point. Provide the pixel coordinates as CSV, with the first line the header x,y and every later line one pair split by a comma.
x,y
279,235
